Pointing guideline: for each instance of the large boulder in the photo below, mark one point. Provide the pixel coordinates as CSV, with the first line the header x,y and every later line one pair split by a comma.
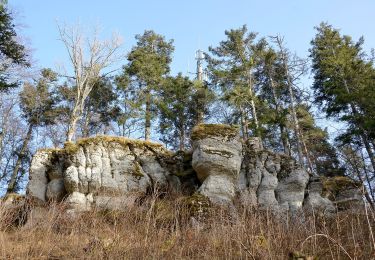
x,y
217,156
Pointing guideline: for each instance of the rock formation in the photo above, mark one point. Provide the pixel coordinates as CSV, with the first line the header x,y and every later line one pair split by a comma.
x,y
95,169
217,156
105,171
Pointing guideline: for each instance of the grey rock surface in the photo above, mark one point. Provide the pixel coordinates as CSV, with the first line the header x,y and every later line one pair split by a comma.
x,y
55,190
38,179
271,180
99,166
315,200
217,157
104,172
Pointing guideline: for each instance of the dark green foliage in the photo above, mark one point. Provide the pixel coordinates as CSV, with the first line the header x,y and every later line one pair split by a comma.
x,y
344,80
38,101
100,107
321,153
177,115
231,67
149,60
11,51
148,66
38,108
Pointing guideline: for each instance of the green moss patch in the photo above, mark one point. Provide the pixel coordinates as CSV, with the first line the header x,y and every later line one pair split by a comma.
x,y
72,148
206,130
198,205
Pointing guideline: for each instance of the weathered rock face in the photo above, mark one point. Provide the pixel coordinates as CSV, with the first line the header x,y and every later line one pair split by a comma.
x,y
100,166
227,167
271,180
217,156
262,178
315,199
105,172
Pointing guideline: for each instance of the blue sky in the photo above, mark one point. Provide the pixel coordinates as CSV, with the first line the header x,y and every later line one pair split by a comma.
x,y
192,24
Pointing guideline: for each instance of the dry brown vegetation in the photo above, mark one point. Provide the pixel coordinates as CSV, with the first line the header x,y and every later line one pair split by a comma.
x,y
158,228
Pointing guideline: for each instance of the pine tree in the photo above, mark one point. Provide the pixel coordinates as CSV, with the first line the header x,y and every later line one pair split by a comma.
x,y
177,111
148,65
292,68
320,152
344,84
231,67
274,93
11,52
37,104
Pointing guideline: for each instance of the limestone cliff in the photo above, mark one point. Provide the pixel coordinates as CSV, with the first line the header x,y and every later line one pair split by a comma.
x,y
94,170
104,171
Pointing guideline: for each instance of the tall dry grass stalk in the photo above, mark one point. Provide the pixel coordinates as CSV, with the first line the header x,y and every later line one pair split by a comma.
x,y
168,228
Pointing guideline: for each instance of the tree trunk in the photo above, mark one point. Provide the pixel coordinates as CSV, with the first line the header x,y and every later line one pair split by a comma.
x,y
358,172
367,177
309,163
285,140
200,107
294,116
244,124
283,134
369,150
74,117
85,128
1,142
253,107
21,155
182,139
200,117
148,116
72,128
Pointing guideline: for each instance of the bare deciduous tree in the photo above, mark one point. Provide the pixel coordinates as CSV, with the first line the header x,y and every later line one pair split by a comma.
x,y
88,56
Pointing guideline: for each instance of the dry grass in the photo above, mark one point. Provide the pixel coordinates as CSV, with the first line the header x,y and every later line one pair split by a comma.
x,y
164,229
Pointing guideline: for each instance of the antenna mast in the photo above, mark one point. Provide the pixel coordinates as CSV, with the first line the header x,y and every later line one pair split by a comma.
x,y
199,56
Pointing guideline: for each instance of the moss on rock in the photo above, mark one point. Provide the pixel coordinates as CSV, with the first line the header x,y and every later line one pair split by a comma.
x,y
198,205
137,171
334,185
206,130
73,147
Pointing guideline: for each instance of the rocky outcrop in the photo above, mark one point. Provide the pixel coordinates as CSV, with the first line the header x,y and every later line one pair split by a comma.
x,y
99,166
271,180
217,156
315,199
106,172
259,177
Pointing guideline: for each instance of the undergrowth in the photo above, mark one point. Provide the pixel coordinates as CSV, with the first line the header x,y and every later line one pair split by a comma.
x,y
171,227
